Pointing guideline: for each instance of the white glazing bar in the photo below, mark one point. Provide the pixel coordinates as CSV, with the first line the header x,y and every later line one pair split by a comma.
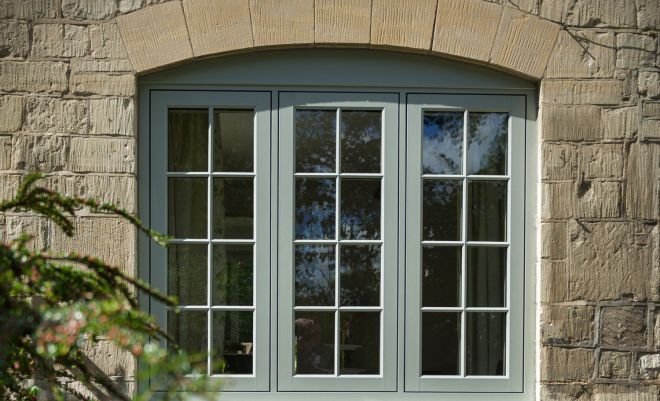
x,y
445,243
488,243
306,308
209,253
464,217
442,309
214,241
203,174
443,176
216,307
342,241
488,178
315,175
337,234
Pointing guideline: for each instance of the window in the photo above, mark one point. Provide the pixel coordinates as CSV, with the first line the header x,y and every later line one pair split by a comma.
x,y
358,240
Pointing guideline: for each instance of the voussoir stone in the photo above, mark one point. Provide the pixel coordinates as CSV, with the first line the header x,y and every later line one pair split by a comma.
x,y
567,324
218,25
42,76
403,23
566,364
623,326
282,22
582,54
14,39
55,115
11,113
342,21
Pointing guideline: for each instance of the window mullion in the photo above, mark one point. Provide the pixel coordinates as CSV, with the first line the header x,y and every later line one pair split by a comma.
x,y
464,238
209,253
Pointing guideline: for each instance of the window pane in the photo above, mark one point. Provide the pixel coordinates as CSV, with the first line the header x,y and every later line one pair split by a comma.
x,y
232,278
441,215
487,143
360,141
188,139
360,208
186,273
189,330
315,275
486,339
187,210
487,205
441,340
442,146
233,140
315,141
232,342
359,343
233,204
315,208
441,276
314,343
360,275
486,276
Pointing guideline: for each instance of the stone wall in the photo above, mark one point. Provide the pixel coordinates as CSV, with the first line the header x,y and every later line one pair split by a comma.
x,y
68,107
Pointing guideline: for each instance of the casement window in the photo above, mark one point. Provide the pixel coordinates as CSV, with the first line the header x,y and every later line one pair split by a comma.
x,y
364,236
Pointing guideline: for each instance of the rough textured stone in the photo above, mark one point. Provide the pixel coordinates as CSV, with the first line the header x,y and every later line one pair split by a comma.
x,y
571,123
28,9
102,65
342,21
567,324
57,40
592,54
629,392
282,22
554,282
36,227
42,76
218,26
642,181
52,115
404,23
103,84
112,116
602,91
557,200
5,152
634,50
591,13
656,331
620,123
553,240
564,392
566,364
649,366
14,39
102,155
40,152
648,14
601,161
117,189
651,110
598,199
649,84
11,113
559,161
623,326
89,9
649,129
614,365
106,42
110,359
155,36
466,28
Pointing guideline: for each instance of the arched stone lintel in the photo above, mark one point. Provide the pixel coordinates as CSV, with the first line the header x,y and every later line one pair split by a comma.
x,y
474,30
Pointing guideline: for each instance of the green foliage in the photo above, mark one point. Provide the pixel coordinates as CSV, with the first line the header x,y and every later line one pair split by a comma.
x,y
52,306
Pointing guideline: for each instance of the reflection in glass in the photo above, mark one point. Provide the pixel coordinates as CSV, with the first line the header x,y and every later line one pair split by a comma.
x,y
360,275
360,141
359,343
187,139
441,276
188,329
186,273
233,204
486,343
233,140
487,143
441,340
486,276
232,345
187,207
360,209
314,343
315,275
441,214
315,141
487,210
232,275
442,145
315,208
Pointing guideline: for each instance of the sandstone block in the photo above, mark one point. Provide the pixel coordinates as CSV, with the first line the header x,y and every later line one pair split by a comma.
x,y
642,181
620,123
553,240
282,22
591,13
567,324
649,129
105,84
566,364
614,365
554,281
114,116
40,152
557,200
102,155
649,366
126,6
623,326
36,227
601,161
123,385
559,161
218,26
571,123
656,331
54,115
524,42
582,54
651,110
598,199
634,50
14,39
88,9
155,36
404,23
33,9
649,84
106,42
109,358
342,21
466,28
116,189
79,65
625,392
5,152
58,40
8,185
45,76
599,92
11,113
648,14
564,392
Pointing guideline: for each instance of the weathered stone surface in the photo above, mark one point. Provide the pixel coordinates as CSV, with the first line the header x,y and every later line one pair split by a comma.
x,y
282,22
11,113
155,36
649,129
54,115
623,326
404,23
651,110
14,39
591,13
117,189
559,161
567,324
5,152
103,84
218,25
466,28
648,14
591,54
571,123
110,359
342,21
100,65
627,392
656,331
102,155
564,392
28,9
649,366
598,199
554,282
113,116
123,385
635,50
44,76
566,364
601,92
37,227
649,84
58,40
40,152
557,200
126,6
89,9
620,123
553,240
106,41
601,161
614,365
642,181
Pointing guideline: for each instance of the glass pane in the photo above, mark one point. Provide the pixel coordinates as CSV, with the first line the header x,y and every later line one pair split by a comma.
x,y
315,275
232,279
314,343
315,141
315,208
441,215
233,140
360,275
233,204
359,343
187,210
360,141
188,138
487,206
232,342
442,146
487,143
186,273
441,276
189,331
486,276
441,340
360,209
486,341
